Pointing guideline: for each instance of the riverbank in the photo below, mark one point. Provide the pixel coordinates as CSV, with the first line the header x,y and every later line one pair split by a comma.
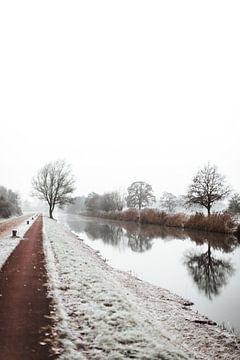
x,y
102,313
217,222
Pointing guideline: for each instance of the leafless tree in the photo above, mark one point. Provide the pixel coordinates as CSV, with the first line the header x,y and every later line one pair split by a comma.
x,y
169,201
93,202
54,184
207,187
140,194
234,204
110,201
9,203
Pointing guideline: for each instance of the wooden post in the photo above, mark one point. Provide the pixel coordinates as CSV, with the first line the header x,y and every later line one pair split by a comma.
x,y
14,233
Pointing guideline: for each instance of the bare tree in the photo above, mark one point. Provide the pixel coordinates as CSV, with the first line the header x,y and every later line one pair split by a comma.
x,y
169,201
9,203
118,199
110,201
54,184
208,187
234,204
140,194
93,202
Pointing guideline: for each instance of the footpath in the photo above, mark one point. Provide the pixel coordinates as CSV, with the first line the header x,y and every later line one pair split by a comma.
x,y
60,299
25,308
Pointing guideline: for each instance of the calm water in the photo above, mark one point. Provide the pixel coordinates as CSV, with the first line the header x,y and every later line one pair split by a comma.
x,y
203,268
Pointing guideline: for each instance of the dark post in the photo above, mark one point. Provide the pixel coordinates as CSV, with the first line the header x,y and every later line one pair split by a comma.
x,y
14,233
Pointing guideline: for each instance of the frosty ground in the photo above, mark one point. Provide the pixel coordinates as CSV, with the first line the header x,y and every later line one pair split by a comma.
x,y
102,313
8,243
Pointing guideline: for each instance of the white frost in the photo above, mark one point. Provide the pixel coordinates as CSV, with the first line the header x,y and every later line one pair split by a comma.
x,y
102,313
9,243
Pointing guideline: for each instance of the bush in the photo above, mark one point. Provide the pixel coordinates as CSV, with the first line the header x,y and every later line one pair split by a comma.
x,y
127,215
217,222
156,217
147,216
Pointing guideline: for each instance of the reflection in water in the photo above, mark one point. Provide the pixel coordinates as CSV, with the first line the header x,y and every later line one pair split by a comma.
x,y
222,242
209,273
138,242
154,232
139,237
113,234
172,258
110,234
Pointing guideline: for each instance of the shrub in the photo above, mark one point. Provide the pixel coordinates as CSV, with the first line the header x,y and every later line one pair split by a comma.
x,y
156,217
217,222
147,216
130,214
153,216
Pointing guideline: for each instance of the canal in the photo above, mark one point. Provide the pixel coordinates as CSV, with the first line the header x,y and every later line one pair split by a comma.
x,y
201,267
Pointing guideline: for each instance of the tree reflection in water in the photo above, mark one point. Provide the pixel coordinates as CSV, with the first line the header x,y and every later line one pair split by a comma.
x,y
138,237
108,233
208,272
138,242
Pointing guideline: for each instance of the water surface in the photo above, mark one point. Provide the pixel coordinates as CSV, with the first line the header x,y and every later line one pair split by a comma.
x,y
201,267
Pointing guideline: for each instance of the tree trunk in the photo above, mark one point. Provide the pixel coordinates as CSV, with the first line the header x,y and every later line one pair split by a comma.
x,y
209,210
50,212
139,214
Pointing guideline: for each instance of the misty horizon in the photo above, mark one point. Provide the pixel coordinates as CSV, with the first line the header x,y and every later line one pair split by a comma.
x,y
122,92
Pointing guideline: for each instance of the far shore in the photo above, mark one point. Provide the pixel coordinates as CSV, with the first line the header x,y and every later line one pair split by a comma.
x,y
221,223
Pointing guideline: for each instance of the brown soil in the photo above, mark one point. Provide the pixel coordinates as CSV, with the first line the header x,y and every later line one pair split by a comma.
x,y
25,323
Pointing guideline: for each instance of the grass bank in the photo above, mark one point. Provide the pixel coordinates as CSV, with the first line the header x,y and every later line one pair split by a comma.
x,y
217,222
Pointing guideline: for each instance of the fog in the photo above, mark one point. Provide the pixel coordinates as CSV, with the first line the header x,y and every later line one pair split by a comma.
x,y
123,91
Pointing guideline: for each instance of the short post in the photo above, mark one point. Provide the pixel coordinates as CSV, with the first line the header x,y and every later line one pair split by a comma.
x,y
14,233
28,222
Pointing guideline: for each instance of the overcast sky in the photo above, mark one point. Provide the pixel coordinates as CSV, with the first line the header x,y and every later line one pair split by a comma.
x,y
122,90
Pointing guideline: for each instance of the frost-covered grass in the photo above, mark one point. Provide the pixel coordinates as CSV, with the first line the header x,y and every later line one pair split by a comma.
x,y
102,313
8,243
98,318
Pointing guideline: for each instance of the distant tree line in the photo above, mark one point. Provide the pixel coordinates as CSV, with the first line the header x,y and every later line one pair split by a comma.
x,y
207,189
9,203
110,201
55,184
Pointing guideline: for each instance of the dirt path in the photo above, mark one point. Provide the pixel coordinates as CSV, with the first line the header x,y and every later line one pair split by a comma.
x,y
24,306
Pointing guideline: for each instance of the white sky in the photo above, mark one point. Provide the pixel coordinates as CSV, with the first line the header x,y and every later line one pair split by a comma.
x,y
122,90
